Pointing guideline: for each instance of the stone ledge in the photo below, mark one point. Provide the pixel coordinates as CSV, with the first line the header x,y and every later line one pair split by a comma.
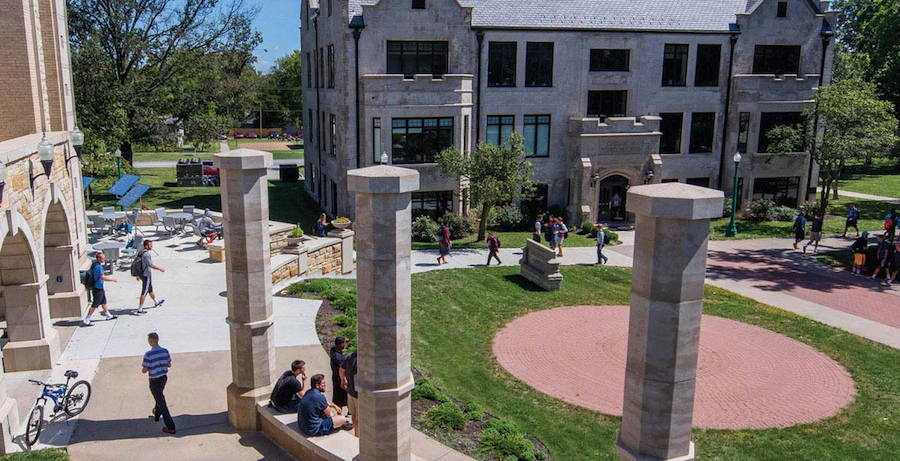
x,y
282,429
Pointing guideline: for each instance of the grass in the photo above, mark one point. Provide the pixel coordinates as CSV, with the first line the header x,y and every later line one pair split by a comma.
x,y
507,240
882,178
169,156
51,454
456,314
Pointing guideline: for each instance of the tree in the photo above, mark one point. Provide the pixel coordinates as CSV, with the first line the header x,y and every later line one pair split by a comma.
x,y
147,55
281,92
494,174
853,123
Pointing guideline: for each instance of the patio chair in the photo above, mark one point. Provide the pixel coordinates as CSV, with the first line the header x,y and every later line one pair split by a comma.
x,y
101,226
189,209
132,218
109,209
158,216
171,225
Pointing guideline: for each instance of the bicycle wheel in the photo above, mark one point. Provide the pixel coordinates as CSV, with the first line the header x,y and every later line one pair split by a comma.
x,y
35,421
77,398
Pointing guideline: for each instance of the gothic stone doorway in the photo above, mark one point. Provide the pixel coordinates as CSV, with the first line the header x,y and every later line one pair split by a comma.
x,y
611,205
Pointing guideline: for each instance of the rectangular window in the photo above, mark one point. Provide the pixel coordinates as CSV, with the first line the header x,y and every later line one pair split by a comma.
x,y
537,135
675,59
502,64
604,60
743,131
333,128
312,178
410,58
703,125
315,70
329,7
671,125
324,191
417,140
782,9
330,66
431,204
309,80
321,79
310,127
334,198
323,133
702,182
607,103
418,4
770,120
539,64
465,143
776,59
376,140
782,191
708,59
498,128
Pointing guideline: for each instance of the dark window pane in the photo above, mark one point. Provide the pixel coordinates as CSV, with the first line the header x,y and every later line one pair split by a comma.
x,y
499,127
417,140
675,60
702,182
776,59
783,191
409,58
607,103
743,131
539,64
610,60
703,125
670,126
431,204
782,9
769,120
418,4
502,64
708,58
536,132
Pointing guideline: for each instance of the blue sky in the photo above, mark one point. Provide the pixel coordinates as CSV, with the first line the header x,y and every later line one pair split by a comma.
x,y
279,23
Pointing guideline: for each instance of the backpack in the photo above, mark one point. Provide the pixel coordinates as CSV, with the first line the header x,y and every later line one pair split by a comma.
x,y
798,224
605,238
89,280
137,266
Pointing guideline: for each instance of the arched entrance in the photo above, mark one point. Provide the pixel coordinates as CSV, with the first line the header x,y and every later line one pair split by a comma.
x,y
611,205
65,291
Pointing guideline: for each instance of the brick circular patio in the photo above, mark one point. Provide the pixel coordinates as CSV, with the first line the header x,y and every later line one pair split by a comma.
x,y
748,377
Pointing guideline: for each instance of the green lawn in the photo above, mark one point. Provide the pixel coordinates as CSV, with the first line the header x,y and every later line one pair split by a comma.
x,y
882,178
51,454
169,156
507,240
456,313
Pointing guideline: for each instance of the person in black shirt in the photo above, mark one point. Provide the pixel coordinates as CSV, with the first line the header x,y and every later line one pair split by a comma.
x,y
339,395
896,263
884,257
288,389
815,234
859,249
348,383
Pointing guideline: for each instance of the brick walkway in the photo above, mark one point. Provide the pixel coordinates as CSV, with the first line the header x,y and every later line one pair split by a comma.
x,y
748,377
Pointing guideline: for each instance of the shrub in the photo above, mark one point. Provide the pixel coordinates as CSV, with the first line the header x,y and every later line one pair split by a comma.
x,y
540,455
726,207
812,207
506,218
761,210
474,412
343,320
424,229
460,226
613,235
310,286
447,415
502,427
783,213
589,228
425,390
504,444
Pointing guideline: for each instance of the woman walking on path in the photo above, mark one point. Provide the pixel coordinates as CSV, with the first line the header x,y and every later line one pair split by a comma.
x,y
321,224
562,232
444,244
493,247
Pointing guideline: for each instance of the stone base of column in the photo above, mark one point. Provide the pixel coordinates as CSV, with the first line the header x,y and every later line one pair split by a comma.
x,y
9,425
386,436
39,354
346,236
242,412
626,454
68,304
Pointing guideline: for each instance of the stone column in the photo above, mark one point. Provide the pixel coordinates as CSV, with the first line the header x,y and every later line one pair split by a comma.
x,y
672,231
383,220
245,211
9,418
346,236
33,342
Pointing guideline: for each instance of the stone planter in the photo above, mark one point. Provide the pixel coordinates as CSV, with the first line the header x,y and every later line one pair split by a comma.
x,y
341,225
294,241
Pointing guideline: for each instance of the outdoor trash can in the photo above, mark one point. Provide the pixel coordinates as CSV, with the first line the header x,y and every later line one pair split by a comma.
x,y
289,173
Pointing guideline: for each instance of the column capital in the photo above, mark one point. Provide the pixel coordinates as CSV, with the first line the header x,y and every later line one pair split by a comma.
x,y
243,159
382,179
675,201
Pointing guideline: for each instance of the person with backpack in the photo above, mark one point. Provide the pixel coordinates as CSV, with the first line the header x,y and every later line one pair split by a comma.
x,y
93,281
552,232
493,248
444,244
561,234
141,269
890,224
852,220
859,249
883,254
536,234
799,228
602,241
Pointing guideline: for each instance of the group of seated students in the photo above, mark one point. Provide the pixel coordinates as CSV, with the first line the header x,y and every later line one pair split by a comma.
x,y
315,415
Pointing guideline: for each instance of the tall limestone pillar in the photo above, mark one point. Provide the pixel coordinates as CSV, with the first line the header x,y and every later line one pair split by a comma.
x,y
671,235
245,210
9,417
383,227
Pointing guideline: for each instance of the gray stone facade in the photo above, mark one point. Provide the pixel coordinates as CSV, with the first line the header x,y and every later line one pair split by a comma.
x,y
590,158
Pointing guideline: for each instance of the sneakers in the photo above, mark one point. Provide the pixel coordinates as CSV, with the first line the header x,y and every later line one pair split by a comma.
x,y
109,316
804,248
86,322
159,303
156,415
168,431
140,311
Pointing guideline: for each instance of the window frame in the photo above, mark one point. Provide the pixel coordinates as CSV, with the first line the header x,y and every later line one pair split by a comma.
x,y
596,57
422,131
331,66
679,135
442,200
710,82
676,50
743,131
592,94
332,125
762,144
501,121
763,60
536,62
376,140
778,189
418,56
695,143
536,123
418,5
781,11
500,75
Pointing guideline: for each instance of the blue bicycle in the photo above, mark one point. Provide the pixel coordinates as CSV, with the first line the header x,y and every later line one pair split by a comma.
x,y
72,400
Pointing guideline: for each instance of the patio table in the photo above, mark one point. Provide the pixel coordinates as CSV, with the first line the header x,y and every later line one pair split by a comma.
x,y
111,250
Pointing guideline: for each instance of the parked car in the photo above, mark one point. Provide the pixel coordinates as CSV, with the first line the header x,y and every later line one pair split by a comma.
x,y
238,135
273,135
252,135
299,134
223,137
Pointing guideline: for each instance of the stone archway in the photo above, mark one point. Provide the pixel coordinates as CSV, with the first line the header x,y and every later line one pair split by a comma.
x,y
33,343
612,195
65,292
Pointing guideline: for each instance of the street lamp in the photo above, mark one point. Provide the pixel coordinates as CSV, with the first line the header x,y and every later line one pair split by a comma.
x,y
384,158
118,154
732,229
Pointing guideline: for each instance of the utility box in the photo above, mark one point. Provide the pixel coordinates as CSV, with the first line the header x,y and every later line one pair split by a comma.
x,y
189,173
289,172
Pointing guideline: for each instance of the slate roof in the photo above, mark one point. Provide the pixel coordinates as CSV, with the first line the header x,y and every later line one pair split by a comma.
x,y
674,15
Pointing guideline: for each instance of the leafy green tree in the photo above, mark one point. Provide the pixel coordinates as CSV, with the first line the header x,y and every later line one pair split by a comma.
x,y
491,174
204,129
281,92
854,122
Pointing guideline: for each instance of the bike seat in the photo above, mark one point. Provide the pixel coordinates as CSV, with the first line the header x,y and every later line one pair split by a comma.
x,y
71,374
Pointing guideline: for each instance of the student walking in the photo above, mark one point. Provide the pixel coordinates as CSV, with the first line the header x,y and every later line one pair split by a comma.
x,y
561,234
142,269
883,255
852,220
444,244
536,232
799,228
94,281
601,242
815,234
493,248
157,362
859,248
896,263
890,224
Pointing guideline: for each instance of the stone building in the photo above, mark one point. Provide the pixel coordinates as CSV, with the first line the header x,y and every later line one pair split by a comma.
x,y
607,94
43,242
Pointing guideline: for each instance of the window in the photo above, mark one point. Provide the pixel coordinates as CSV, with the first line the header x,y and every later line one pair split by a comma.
x,y
498,128
310,127
670,141
416,140
669,180
323,135
324,190
776,59
334,198
607,103
376,140
309,80
708,58
329,7
330,66
321,79
782,9
431,204
502,64
743,131
537,135
312,177
418,4
333,128
317,72
675,60
782,191
703,125
603,60
410,58
702,182
769,120
465,146
539,64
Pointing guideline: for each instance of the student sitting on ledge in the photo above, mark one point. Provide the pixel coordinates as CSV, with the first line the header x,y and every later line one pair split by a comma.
x,y
316,416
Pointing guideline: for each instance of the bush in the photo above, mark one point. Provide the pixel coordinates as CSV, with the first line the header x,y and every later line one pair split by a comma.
x,y
589,228
425,390
474,412
761,210
540,455
502,427
460,226
726,207
309,286
506,218
343,320
424,229
504,441
613,235
447,415
812,207
783,213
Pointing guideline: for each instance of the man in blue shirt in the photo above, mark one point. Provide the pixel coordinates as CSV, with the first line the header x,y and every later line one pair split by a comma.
x,y
316,416
157,362
98,293
799,228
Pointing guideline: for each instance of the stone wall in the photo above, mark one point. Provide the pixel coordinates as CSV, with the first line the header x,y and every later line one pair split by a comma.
x,y
278,240
327,259
286,271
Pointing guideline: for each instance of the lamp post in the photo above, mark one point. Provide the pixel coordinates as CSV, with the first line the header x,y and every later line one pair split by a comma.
x,y
732,229
384,158
118,154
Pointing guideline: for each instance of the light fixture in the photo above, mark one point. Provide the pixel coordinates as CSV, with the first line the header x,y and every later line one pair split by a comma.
x,y
118,153
384,158
594,178
77,138
737,157
649,174
2,179
45,153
